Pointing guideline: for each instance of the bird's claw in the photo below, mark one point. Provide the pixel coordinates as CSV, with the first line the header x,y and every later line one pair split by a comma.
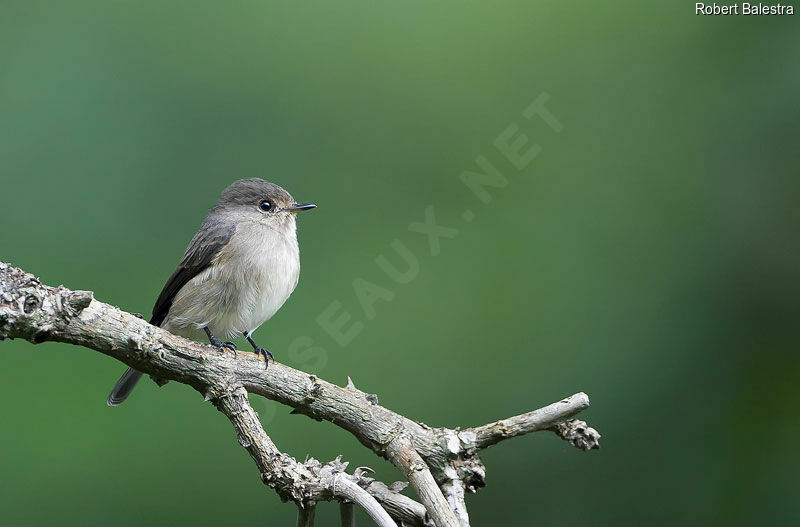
x,y
218,343
266,354
222,345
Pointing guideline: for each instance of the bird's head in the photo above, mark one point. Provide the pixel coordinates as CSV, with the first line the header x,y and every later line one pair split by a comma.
x,y
261,201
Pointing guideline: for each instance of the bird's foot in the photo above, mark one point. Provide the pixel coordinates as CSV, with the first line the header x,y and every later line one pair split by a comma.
x,y
264,352
222,345
218,343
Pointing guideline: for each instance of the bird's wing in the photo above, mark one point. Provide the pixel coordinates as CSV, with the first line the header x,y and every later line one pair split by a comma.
x,y
206,244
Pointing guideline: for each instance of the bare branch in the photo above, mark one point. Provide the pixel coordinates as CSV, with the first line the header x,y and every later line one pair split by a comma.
x,y
347,514
453,491
441,463
38,312
541,419
347,489
402,455
305,515
304,483
400,507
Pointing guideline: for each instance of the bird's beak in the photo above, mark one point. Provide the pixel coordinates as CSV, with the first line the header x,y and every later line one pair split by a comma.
x,y
299,207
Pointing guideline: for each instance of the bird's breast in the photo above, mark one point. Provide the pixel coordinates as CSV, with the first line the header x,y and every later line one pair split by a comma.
x,y
264,271
245,285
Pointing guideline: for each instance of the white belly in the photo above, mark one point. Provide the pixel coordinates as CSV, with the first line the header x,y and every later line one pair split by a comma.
x,y
244,287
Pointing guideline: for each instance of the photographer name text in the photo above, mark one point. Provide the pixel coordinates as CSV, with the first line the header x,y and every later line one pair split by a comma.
x,y
743,9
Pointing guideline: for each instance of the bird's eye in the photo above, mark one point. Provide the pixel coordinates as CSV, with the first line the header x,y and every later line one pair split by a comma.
x,y
265,205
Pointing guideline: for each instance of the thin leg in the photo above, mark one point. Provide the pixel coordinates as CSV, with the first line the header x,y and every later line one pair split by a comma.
x,y
218,343
261,351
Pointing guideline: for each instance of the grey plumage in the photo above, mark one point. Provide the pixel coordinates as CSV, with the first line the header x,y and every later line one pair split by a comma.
x,y
238,270
124,387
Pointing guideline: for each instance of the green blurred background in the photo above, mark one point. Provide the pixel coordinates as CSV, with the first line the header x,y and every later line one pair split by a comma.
x,y
648,256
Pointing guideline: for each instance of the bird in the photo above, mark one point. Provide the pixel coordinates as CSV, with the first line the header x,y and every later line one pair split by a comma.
x,y
236,273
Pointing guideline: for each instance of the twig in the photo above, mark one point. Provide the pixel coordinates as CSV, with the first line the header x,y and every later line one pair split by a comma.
x,y
402,455
398,506
345,488
347,514
305,515
541,419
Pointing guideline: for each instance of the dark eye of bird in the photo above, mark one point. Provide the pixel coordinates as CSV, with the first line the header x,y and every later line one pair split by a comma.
x,y
265,205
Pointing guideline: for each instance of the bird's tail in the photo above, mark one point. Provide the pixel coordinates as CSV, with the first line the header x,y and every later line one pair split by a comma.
x,y
124,387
